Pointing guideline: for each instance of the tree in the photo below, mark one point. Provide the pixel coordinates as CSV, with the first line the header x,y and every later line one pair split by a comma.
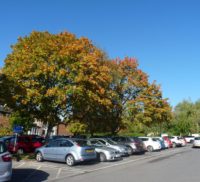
x,y
137,100
21,119
60,76
77,128
186,118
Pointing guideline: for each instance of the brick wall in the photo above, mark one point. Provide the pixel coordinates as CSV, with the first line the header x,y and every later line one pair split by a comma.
x,y
62,130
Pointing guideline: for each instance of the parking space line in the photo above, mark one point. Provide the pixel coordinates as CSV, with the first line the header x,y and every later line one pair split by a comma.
x,y
20,165
58,173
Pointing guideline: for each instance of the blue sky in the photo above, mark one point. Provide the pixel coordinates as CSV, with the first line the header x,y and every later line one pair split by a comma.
x,y
164,35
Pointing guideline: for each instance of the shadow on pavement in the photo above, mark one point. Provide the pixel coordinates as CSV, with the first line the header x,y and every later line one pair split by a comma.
x,y
28,175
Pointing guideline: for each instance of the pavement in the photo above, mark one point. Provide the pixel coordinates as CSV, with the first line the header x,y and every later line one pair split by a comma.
x,y
33,171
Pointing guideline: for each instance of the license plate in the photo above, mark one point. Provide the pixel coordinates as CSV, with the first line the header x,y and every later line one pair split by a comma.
x,y
89,151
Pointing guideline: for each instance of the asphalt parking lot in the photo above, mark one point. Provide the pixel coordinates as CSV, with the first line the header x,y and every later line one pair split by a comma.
x,y
32,171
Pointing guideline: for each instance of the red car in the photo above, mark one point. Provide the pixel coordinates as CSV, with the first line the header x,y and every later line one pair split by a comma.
x,y
25,143
165,138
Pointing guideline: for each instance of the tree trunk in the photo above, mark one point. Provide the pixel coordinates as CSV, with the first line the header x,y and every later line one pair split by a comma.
x,y
49,130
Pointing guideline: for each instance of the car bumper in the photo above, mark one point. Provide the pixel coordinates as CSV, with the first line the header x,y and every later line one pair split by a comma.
x,y
113,157
139,150
196,145
124,154
6,175
86,158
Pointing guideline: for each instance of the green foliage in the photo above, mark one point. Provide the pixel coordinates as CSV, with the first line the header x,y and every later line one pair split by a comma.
x,y
186,118
21,119
5,131
77,128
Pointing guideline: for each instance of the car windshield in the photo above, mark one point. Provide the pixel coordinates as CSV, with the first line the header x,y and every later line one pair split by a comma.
x,y
111,142
38,139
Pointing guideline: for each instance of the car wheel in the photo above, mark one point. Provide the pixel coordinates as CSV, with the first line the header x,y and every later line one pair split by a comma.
x,y
173,145
102,157
150,148
130,150
70,161
39,157
20,151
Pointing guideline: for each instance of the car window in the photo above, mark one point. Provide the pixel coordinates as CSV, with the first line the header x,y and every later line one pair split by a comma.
x,y
23,139
144,139
102,141
129,139
2,148
65,143
54,143
93,142
155,139
117,139
96,142
135,139
123,139
81,143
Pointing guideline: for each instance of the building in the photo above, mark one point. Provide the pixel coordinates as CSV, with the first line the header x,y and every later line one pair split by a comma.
x,y
41,129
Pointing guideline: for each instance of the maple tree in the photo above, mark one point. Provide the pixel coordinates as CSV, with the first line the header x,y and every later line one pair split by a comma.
x,y
128,81
60,77
150,108
136,99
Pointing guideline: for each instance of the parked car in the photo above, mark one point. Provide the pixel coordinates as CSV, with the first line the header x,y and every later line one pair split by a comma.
x,y
53,137
110,143
104,153
168,141
25,143
6,139
70,150
151,144
161,141
196,142
134,143
189,139
5,163
177,141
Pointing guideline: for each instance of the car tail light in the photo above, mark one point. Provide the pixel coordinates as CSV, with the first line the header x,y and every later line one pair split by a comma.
x,y
7,158
77,144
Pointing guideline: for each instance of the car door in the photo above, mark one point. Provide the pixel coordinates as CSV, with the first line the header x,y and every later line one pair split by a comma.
x,y
50,150
64,147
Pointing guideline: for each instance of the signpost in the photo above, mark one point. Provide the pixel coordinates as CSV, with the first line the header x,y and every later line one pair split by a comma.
x,y
17,129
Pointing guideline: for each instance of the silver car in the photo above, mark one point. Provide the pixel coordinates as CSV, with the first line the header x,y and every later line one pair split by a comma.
x,y
105,153
110,143
70,151
5,163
